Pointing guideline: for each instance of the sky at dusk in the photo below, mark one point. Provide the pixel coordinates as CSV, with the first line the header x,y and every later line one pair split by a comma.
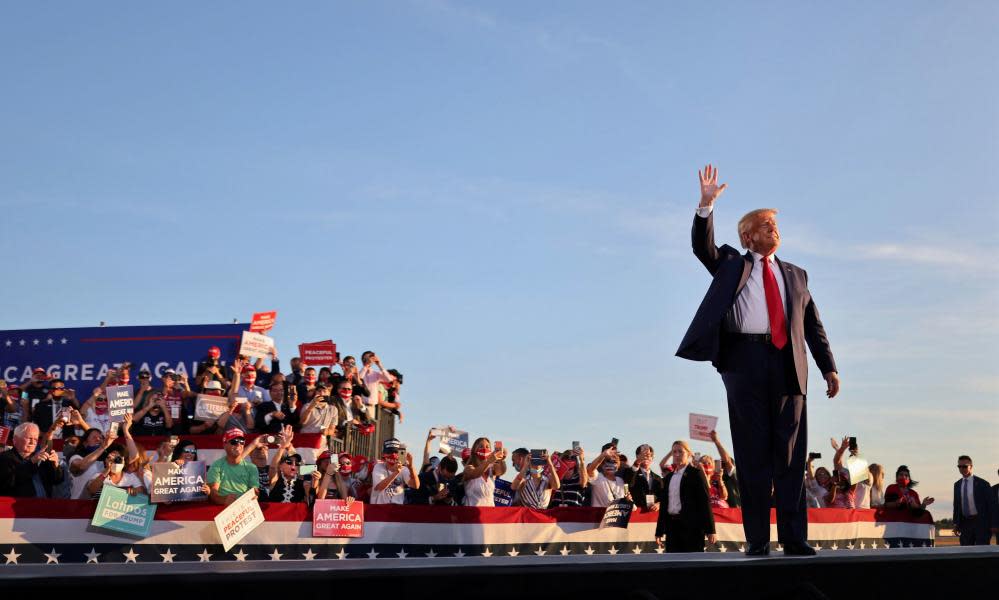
x,y
497,198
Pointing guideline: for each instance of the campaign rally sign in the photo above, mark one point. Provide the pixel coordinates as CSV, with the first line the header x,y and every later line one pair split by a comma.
x,y
4,434
263,322
318,353
255,345
617,514
121,401
701,427
82,356
503,493
338,518
453,442
210,408
118,511
239,519
178,483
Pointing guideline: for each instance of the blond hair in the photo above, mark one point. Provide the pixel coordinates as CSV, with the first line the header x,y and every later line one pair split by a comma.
x,y
748,221
683,445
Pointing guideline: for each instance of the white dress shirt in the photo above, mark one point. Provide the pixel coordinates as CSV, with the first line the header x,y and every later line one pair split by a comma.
x,y
749,312
673,507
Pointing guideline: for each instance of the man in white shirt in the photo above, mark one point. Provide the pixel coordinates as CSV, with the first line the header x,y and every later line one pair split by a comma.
x,y
390,476
605,485
374,378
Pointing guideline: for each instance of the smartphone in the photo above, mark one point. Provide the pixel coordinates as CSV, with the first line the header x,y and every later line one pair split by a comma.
x,y
575,446
497,446
537,457
614,442
814,455
113,428
306,470
853,444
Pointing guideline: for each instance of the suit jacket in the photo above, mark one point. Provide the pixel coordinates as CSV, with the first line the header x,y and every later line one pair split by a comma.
x,y
984,502
695,506
639,487
730,270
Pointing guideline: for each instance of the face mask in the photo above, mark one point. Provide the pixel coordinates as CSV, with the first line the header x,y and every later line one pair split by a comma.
x,y
610,473
249,379
390,459
310,379
482,453
345,469
58,392
536,472
117,467
89,449
902,480
68,449
123,379
345,394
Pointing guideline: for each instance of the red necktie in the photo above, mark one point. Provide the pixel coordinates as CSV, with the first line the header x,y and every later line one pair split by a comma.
x,y
775,308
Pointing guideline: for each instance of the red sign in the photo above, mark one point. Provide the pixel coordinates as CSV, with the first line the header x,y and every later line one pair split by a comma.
x,y
4,434
263,321
318,353
338,518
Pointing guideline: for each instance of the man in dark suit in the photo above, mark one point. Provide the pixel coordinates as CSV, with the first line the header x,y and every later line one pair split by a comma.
x,y
995,511
973,506
685,516
645,486
753,325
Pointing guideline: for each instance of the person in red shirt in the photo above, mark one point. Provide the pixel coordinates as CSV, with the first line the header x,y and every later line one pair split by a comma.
x,y
901,495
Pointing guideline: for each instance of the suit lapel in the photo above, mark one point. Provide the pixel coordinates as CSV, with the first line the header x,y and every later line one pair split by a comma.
x,y
747,268
784,270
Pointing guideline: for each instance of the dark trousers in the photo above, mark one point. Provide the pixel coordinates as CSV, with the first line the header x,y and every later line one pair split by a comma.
x,y
682,537
769,433
974,531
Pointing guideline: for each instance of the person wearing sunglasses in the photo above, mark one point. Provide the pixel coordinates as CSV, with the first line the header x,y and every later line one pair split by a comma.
x,y
285,485
973,506
230,476
113,474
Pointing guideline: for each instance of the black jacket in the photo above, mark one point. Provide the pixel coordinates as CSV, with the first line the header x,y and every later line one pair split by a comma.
x,y
695,506
17,475
640,487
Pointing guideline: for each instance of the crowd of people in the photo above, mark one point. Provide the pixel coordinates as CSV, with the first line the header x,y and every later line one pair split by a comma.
x,y
97,452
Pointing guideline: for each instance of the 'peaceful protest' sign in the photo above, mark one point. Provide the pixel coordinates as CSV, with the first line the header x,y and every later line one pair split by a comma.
x,y
256,345
120,402
118,511
210,408
178,483
338,518
239,519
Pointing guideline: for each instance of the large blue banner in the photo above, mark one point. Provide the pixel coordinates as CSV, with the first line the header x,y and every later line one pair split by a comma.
x,y
82,355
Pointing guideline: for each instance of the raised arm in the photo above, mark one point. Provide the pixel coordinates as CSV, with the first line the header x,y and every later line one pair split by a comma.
x,y
838,458
726,460
702,234
553,480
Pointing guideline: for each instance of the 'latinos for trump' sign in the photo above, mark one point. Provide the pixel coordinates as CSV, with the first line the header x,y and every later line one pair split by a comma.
x,y
239,519
178,483
338,518
118,511
121,401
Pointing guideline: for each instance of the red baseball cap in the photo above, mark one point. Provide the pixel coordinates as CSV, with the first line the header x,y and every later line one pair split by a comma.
x,y
215,352
324,456
232,434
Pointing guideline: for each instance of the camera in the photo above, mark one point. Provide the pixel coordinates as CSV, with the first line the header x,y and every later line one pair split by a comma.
x,y
814,455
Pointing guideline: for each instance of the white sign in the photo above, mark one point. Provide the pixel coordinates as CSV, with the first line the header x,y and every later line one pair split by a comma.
x,y
857,468
120,402
209,408
701,427
256,345
239,519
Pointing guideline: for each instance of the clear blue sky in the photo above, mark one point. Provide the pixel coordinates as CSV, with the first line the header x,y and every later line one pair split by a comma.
x,y
497,197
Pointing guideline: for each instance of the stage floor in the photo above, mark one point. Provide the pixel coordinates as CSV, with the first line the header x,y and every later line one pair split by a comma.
x,y
922,572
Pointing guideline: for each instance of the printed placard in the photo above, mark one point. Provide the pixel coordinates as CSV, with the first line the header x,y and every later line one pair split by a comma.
x,y
118,511
263,322
701,427
453,442
121,402
239,519
210,408
617,514
857,468
503,493
178,483
319,354
4,434
256,345
338,518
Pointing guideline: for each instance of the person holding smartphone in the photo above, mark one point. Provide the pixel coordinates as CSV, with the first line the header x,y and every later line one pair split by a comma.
x,y
114,474
536,482
484,465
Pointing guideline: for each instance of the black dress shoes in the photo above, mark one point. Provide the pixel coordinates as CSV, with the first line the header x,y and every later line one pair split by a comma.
x,y
758,549
798,549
